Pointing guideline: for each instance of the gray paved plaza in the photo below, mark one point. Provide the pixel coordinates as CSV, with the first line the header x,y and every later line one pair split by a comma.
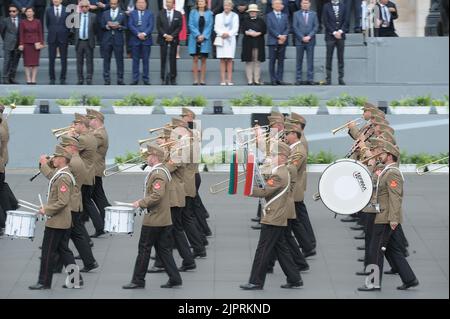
x,y
233,245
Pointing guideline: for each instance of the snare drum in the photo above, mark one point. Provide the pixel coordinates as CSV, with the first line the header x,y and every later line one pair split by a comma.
x,y
119,219
345,187
20,224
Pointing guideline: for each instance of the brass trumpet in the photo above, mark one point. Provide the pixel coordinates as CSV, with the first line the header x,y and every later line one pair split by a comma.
x,y
423,170
151,139
58,132
340,128
153,130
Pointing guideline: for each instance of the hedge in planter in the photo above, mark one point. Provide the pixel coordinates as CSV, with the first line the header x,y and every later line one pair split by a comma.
x,y
24,103
134,104
412,105
78,103
303,104
346,104
174,105
252,103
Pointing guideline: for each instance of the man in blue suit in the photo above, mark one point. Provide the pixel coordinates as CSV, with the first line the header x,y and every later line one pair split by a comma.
x,y
278,30
306,25
335,20
113,23
140,24
269,6
57,39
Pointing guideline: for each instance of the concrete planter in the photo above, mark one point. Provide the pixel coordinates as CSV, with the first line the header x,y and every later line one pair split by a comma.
x,y
77,109
21,109
305,110
344,110
176,110
316,168
416,110
408,168
443,110
245,110
138,110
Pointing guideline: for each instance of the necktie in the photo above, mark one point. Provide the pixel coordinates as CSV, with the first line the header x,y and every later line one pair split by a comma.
x,y
113,15
279,16
386,15
140,18
15,22
85,27
57,12
306,17
169,17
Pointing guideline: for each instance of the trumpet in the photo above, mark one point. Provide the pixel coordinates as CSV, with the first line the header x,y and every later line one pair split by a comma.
x,y
12,107
218,188
252,128
423,170
151,139
113,170
153,130
340,128
58,132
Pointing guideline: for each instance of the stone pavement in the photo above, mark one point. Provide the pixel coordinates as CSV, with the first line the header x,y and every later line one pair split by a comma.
x,y
232,248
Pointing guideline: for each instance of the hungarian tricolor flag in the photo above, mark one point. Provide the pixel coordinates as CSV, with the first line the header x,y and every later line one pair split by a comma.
x,y
250,173
232,187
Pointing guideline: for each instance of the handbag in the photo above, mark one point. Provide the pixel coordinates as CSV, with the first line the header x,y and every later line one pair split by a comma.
x,y
218,41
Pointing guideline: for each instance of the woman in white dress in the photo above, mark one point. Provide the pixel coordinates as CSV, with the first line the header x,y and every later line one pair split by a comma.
x,y
227,29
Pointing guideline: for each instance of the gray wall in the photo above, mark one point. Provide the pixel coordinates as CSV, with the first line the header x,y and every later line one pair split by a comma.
x,y
31,136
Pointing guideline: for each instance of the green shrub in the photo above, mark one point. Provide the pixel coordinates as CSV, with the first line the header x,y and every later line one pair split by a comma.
x,y
413,101
84,100
438,102
321,158
184,101
347,100
251,99
302,100
422,158
18,99
136,100
128,157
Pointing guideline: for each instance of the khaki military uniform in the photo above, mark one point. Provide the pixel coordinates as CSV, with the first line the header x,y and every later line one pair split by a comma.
x,y
88,153
59,203
102,148
4,139
390,197
276,211
300,163
176,185
157,199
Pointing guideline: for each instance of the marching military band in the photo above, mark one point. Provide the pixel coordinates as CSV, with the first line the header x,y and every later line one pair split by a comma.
x,y
176,217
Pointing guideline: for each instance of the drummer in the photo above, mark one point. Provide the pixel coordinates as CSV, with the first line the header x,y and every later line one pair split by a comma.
x,y
385,236
157,224
57,227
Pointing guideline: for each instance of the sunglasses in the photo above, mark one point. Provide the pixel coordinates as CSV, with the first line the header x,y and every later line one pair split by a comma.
x,y
85,6
13,11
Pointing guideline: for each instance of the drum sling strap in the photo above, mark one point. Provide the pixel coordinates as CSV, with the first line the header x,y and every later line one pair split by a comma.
x,y
279,194
388,167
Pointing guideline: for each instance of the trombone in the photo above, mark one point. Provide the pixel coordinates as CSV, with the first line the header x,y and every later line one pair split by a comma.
x,y
218,188
423,170
340,128
113,170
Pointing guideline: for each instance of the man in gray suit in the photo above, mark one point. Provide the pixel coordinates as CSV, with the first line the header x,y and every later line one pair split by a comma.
x,y
305,25
85,42
9,30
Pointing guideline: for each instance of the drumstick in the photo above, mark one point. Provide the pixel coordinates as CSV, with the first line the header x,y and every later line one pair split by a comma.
x,y
28,203
30,208
123,204
40,200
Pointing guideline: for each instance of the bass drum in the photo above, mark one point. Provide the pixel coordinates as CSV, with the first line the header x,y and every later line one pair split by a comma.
x,y
345,187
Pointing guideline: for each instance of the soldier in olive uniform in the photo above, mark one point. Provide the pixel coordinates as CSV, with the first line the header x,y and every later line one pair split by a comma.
x,y
274,222
97,120
385,231
88,153
57,227
157,224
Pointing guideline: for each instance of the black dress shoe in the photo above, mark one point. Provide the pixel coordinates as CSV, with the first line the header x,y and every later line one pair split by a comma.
x,y
357,227
171,284
155,270
292,285
256,219
120,82
52,82
270,271
256,227
299,83
12,81
77,257
361,260
283,83
358,30
80,82
341,82
89,82
349,219
2,231
274,83
98,234
310,83
38,286
173,82
132,285
62,82
391,272
310,253
327,82
303,269
107,82
362,273
365,288
184,268
360,236
88,268
200,255
146,83
91,243
361,247
134,83
250,286
208,234
411,284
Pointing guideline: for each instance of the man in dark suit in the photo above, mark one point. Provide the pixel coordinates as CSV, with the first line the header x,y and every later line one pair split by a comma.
x,y
319,10
306,25
388,13
140,24
85,42
336,26
269,7
113,23
169,24
9,30
278,30
39,9
23,4
57,39
357,13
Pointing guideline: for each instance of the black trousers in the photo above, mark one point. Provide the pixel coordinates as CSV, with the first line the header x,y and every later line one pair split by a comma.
x,y
7,200
99,197
160,238
386,32
90,208
55,242
357,12
11,60
84,51
294,249
319,9
384,236
333,43
190,226
272,241
368,231
277,55
52,48
198,200
303,218
108,50
168,51
180,239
